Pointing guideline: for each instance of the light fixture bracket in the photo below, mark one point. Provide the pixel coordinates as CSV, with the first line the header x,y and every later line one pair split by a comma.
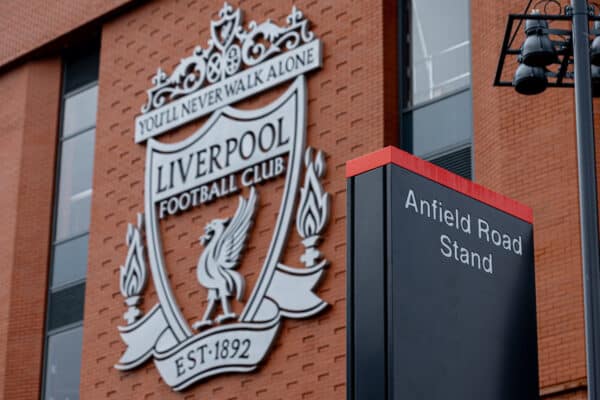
x,y
559,73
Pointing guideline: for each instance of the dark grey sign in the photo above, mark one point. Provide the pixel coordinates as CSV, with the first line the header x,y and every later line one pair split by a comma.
x,y
441,291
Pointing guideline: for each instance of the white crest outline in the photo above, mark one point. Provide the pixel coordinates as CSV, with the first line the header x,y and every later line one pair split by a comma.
x,y
280,290
166,297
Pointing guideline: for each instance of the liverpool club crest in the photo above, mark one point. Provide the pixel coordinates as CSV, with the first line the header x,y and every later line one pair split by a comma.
x,y
233,155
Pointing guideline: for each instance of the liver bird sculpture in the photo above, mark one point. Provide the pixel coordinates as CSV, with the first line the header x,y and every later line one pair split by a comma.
x,y
223,241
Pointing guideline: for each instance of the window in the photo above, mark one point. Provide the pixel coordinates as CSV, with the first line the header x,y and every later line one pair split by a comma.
x,y
436,93
71,227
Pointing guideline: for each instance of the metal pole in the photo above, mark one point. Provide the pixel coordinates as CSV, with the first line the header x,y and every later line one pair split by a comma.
x,y
588,204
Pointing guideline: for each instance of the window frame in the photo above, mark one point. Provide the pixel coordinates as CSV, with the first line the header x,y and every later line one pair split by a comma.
x,y
406,131
59,155
57,180
65,97
47,336
50,289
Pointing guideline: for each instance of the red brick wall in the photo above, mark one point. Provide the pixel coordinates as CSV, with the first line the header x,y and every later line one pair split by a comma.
x,y
346,118
570,395
28,25
525,148
28,124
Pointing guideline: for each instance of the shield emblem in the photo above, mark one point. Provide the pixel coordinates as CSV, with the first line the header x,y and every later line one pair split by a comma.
x,y
231,154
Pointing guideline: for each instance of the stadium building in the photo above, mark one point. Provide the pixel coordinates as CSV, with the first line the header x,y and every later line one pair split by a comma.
x,y
173,180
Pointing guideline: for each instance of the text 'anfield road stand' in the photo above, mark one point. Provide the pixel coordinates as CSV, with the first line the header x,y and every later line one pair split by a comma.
x,y
441,285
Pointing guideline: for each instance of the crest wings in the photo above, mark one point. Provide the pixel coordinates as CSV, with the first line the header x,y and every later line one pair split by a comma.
x,y
233,240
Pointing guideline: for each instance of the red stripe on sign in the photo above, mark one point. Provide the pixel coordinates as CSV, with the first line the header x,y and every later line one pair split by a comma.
x,y
393,155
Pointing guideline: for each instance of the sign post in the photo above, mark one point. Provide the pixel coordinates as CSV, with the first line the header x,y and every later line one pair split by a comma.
x,y
441,285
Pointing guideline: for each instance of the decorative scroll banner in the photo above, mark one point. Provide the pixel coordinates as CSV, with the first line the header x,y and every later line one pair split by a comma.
x,y
292,290
237,63
230,90
141,338
232,348
237,347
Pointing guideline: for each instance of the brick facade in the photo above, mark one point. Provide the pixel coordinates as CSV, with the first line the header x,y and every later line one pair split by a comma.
x,y
25,30
28,120
523,147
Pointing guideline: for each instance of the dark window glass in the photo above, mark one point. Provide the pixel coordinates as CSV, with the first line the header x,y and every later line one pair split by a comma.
x,y
75,187
80,111
81,67
441,125
436,96
63,363
440,48
70,261
66,306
